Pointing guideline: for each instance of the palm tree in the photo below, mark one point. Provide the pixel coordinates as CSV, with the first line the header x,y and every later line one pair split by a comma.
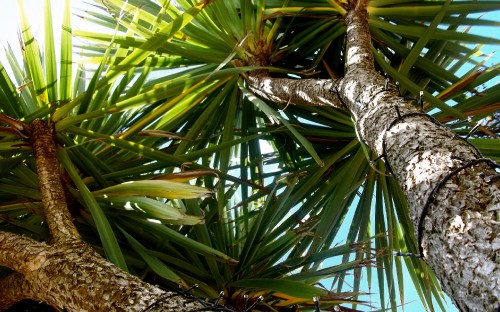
x,y
275,112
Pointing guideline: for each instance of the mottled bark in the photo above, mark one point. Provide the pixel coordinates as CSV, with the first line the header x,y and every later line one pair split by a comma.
x,y
296,91
71,275
67,273
460,236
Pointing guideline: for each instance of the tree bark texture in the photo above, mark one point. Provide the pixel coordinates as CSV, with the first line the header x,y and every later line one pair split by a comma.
x,y
67,273
440,173
296,92
71,275
56,211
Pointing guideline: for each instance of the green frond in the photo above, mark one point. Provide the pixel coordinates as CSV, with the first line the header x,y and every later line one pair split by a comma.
x,y
281,200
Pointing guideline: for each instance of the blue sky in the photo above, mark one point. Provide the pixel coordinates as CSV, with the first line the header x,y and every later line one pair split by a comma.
x,y
9,34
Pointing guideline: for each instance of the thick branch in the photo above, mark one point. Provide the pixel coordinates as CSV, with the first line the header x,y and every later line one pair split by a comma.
x,y
71,275
307,92
319,92
460,233
51,189
461,236
74,277
20,253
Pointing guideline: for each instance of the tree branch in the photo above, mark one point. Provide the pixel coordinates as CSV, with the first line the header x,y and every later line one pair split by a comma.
x,y
21,253
359,42
459,227
73,276
68,273
51,189
306,92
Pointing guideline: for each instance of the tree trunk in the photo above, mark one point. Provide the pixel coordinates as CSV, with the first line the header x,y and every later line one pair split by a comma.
x,y
67,273
453,193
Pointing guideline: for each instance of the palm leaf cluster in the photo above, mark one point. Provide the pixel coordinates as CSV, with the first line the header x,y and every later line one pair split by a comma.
x,y
183,177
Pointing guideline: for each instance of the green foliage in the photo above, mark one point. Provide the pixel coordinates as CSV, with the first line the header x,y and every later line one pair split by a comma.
x,y
271,187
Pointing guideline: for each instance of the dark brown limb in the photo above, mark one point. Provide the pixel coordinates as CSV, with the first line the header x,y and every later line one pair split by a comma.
x,y
56,212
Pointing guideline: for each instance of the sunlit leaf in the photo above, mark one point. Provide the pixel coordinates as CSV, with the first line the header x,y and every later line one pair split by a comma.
x,y
157,188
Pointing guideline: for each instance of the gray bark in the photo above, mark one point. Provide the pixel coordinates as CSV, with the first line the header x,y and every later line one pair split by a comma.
x,y
460,236
67,273
295,92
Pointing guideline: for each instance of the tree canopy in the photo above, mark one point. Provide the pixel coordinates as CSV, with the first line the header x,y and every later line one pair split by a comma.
x,y
180,172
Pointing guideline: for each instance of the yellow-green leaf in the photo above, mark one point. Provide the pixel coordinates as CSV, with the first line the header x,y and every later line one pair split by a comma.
x,y
155,188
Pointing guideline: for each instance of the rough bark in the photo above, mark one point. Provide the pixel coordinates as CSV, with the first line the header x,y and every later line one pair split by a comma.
x,y
71,275
58,218
295,92
67,273
460,235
